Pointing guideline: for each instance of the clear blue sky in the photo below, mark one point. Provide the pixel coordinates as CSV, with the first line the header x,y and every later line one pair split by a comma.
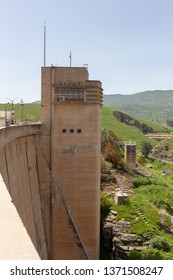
x,y
127,44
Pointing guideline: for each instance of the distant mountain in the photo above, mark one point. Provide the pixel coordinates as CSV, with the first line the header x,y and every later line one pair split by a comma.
x,y
155,106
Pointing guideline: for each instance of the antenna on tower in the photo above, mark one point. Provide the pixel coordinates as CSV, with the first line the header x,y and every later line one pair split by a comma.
x,y
44,43
70,56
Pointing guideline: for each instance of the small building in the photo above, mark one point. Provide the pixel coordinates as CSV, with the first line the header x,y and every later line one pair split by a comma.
x,y
4,114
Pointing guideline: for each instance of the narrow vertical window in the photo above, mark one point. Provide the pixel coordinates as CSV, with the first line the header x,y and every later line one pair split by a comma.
x,y
71,130
63,130
79,130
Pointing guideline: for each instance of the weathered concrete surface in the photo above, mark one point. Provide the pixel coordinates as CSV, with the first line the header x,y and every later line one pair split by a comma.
x,y
15,243
130,155
18,166
71,144
76,172
10,133
54,177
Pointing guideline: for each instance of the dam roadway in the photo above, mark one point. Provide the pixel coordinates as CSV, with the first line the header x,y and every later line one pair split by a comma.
x,y
15,244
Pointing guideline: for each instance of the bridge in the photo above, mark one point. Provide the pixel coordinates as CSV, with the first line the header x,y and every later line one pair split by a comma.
x,y
159,137
52,169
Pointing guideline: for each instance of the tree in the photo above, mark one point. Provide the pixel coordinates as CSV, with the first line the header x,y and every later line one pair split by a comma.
x,y
106,204
146,148
110,148
108,136
112,154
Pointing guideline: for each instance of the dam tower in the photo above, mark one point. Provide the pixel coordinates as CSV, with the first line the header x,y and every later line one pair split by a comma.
x,y
71,116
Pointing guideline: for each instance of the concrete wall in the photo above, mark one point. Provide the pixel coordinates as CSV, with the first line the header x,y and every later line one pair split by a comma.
x,y
76,172
54,177
71,143
21,166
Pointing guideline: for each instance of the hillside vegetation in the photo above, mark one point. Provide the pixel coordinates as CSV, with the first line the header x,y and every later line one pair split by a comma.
x,y
129,132
31,111
141,227
155,106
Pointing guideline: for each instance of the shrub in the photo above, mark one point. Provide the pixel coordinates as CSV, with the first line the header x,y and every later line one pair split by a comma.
x,y
141,181
169,208
106,203
141,159
146,148
159,182
106,167
134,255
112,154
146,254
108,178
122,165
110,148
160,243
108,137
152,254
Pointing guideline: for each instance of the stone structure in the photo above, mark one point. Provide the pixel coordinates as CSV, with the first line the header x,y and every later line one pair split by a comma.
x,y
5,114
52,170
170,123
130,155
121,197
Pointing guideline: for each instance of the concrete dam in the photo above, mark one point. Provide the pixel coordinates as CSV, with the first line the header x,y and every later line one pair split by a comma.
x,y
52,169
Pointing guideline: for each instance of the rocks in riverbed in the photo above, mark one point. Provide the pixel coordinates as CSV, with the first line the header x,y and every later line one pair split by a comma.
x,y
119,240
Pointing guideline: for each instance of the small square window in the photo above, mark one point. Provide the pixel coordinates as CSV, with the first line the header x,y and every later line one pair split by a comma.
x,y
63,130
71,130
79,130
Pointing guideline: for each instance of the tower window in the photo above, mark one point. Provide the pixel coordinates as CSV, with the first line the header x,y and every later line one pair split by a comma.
x,y
69,94
79,130
63,130
71,130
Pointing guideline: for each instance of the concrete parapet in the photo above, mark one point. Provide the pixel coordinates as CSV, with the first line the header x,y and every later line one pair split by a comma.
x,y
26,174
8,134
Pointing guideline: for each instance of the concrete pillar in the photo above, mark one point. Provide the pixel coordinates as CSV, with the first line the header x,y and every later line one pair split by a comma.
x,y
130,155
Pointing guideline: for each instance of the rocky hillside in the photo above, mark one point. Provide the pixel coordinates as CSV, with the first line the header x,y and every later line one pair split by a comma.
x,y
163,151
120,241
128,120
140,226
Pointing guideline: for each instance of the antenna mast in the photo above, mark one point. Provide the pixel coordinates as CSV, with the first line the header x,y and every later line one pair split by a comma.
x,y
44,43
70,56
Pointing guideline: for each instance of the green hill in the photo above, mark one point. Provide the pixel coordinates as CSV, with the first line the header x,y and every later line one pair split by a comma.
x,y
31,111
129,133
155,106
